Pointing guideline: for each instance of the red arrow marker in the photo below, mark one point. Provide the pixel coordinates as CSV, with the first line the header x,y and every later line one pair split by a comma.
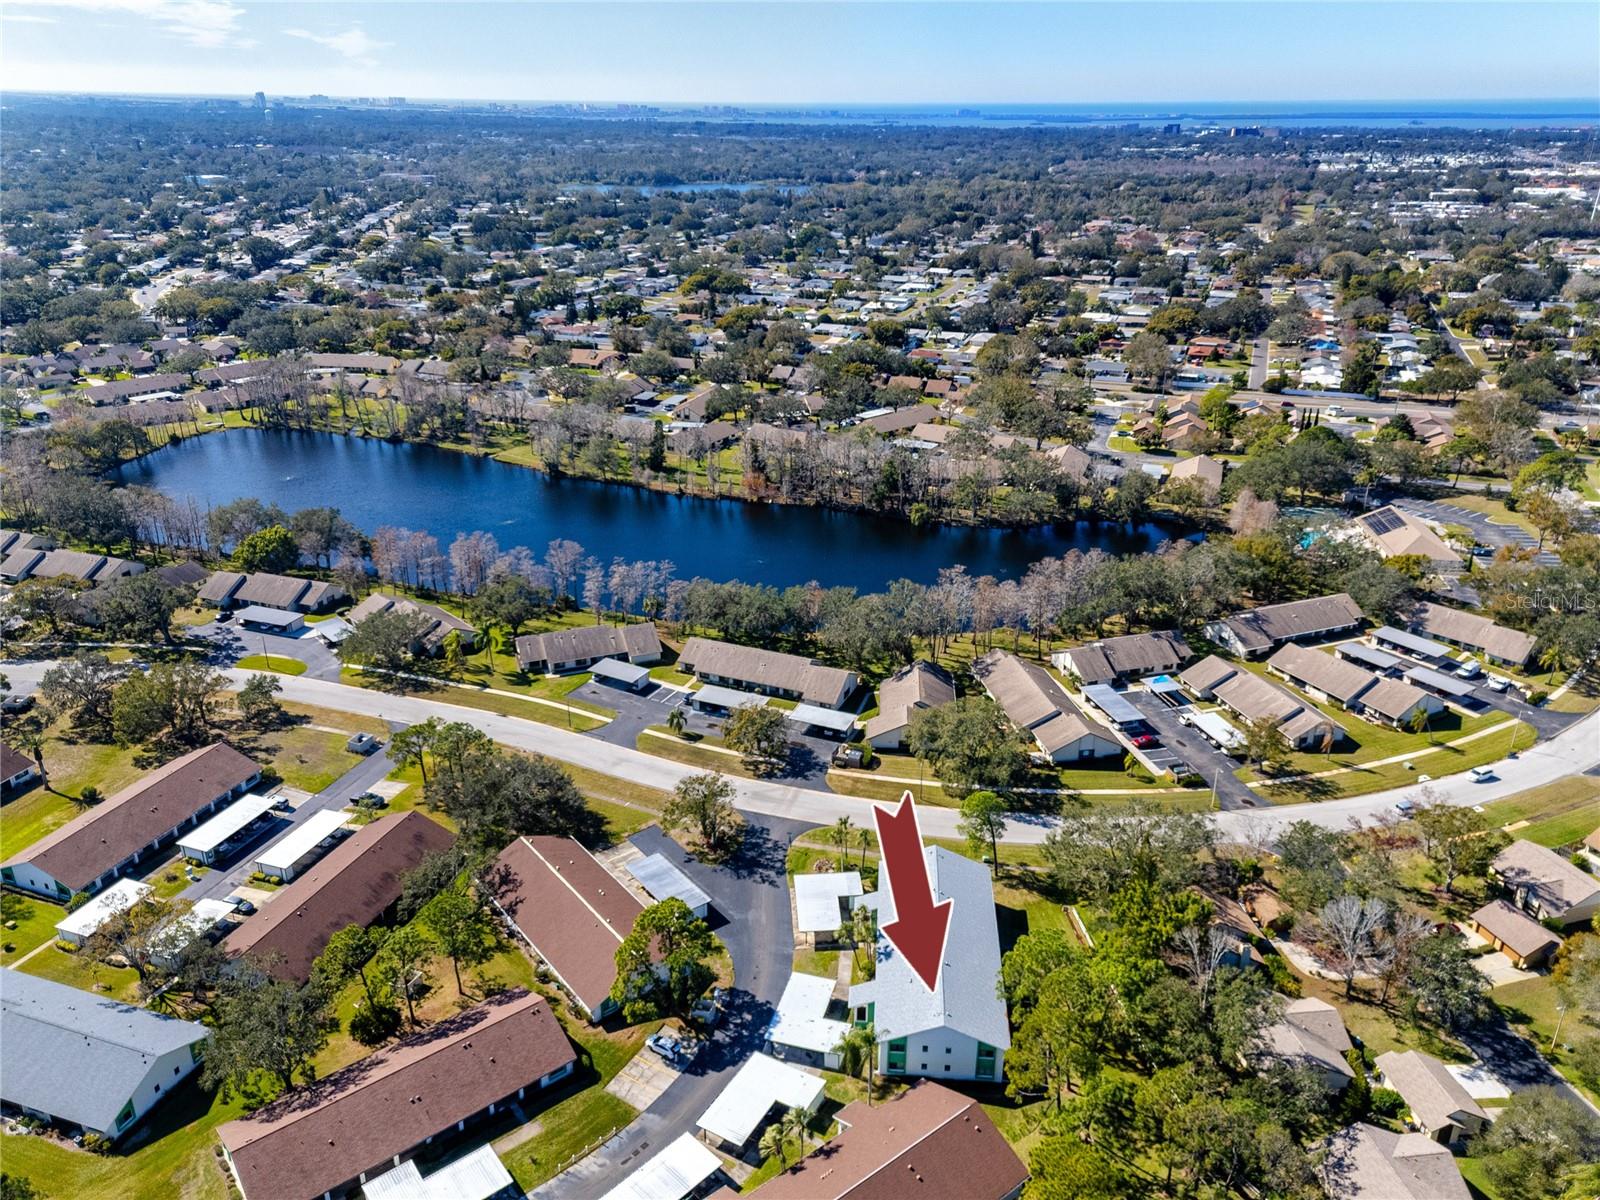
x,y
920,926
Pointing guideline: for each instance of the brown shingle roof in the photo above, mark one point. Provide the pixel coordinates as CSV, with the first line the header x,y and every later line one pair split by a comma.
x,y
86,847
1514,929
1435,1097
569,909
316,1138
274,591
590,641
928,1142
1550,879
1342,680
1469,629
828,686
1261,628
352,885
1134,653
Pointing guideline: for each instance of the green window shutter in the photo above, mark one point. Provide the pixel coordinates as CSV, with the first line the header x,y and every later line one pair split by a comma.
x,y
125,1115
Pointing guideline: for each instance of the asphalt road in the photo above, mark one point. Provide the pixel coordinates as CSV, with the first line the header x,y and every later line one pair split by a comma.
x,y
1514,1060
750,913
1573,751
218,882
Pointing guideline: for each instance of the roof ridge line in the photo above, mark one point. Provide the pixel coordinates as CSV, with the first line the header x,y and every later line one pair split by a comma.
x,y
556,871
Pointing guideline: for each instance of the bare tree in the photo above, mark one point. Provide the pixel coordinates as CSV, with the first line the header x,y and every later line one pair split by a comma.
x,y
1350,927
563,557
1201,949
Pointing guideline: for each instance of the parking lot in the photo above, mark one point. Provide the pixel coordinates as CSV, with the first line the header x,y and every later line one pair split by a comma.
x,y
1182,743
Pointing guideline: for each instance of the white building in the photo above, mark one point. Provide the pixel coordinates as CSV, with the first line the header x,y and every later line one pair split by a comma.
x,y
958,1030
82,923
820,903
801,1030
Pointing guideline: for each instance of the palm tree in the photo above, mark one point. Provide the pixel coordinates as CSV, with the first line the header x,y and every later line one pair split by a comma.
x,y
793,1124
772,1143
864,840
1551,658
858,1053
677,721
841,834
863,930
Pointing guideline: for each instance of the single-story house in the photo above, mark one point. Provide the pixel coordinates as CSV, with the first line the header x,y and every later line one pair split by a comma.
x,y
569,910
330,1137
1253,698
1364,1162
356,883
1440,1106
89,1061
1255,631
235,589
577,649
119,833
940,1138
82,565
441,624
18,772
904,694
771,672
1393,532
1545,885
1036,704
1120,658
822,903
1207,470
1311,1034
762,1084
801,1030
1515,934
1508,647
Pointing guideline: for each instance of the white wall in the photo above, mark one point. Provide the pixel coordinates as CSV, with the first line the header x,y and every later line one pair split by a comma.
x,y
166,1074
962,1058
30,878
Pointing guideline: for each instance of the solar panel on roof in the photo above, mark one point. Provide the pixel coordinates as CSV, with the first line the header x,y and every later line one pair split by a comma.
x,y
1383,521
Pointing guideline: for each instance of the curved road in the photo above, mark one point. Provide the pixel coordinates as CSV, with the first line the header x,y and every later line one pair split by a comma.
x,y
1574,751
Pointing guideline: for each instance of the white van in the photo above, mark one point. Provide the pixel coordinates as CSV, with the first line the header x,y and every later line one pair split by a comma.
x,y
1481,774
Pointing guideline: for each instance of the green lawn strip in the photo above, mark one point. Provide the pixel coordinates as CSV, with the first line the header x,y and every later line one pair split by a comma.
x,y
31,816
467,697
169,1154
35,922
1560,796
695,751
1530,1006
816,962
83,972
307,758
279,663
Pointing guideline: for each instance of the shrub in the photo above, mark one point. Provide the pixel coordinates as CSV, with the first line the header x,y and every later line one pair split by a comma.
x,y
374,1024
1537,697
1387,1103
1283,979
96,1143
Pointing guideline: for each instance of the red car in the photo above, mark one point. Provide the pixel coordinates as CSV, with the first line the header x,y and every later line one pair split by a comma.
x,y
1144,741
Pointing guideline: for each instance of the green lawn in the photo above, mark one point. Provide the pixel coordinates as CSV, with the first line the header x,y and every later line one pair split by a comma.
x,y
272,662
307,758
35,922
572,717
168,1155
32,815
1557,814
80,971
817,962
1530,1006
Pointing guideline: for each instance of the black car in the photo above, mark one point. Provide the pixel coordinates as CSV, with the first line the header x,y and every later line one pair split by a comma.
x,y
16,704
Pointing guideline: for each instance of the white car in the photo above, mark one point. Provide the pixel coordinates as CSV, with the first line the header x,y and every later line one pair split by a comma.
x,y
1482,774
1498,683
1469,670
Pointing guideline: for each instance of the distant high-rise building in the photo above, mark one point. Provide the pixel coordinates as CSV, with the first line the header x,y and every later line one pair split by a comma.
x,y
261,101
1173,127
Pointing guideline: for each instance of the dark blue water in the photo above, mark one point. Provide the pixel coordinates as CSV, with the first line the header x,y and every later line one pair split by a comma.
x,y
377,483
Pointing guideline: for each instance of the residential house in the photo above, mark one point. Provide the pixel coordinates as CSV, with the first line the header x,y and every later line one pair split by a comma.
x,y
1332,680
1393,532
234,589
928,1141
958,1029
1515,934
1118,658
89,1061
1255,699
1591,849
801,1030
440,623
1207,470
1257,630
909,690
1311,1033
354,884
1364,1162
563,650
1440,1106
570,911
328,1138
1036,704
900,420
597,360
770,672
1545,885
18,772
822,903
40,563
1508,647
118,834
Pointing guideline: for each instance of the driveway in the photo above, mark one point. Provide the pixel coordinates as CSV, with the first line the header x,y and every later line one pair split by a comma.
x,y
363,773
1204,759
234,642
1514,1060
750,913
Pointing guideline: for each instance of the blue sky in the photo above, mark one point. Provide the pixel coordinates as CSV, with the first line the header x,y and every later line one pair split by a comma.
x,y
809,52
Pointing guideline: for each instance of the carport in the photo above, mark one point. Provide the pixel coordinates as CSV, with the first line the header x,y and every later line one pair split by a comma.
x,y
664,880
1216,730
1446,686
714,696
621,674
830,720
202,844
271,620
1110,702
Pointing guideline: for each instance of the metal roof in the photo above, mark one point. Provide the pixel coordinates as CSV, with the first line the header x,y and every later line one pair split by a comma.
x,y
623,672
1109,701
1439,682
676,1172
823,718
78,1056
226,823
1411,642
663,879
802,1020
1216,727
1367,656
260,614
121,895
726,697
816,899
475,1176
300,841
762,1082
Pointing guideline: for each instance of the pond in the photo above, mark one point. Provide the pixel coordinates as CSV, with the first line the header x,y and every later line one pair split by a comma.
x,y
375,483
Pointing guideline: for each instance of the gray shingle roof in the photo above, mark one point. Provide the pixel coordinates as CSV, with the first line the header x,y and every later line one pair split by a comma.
x,y
75,1055
967,999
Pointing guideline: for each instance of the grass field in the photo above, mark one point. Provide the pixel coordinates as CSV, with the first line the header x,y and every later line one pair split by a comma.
x,y
32,815
35,922
1557,814
1530,1006
574,715
272,662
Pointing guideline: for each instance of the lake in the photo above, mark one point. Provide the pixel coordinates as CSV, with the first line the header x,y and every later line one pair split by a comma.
x,y
377,483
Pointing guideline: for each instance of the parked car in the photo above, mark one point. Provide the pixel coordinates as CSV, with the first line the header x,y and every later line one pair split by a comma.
x,y
666,1046
1469,670
708,1010
363,743
224,616
370,800
1498,683
1145,741
240,905
12,705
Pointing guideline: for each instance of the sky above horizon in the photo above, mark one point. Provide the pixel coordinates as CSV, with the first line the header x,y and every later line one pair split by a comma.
x,y
680,51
